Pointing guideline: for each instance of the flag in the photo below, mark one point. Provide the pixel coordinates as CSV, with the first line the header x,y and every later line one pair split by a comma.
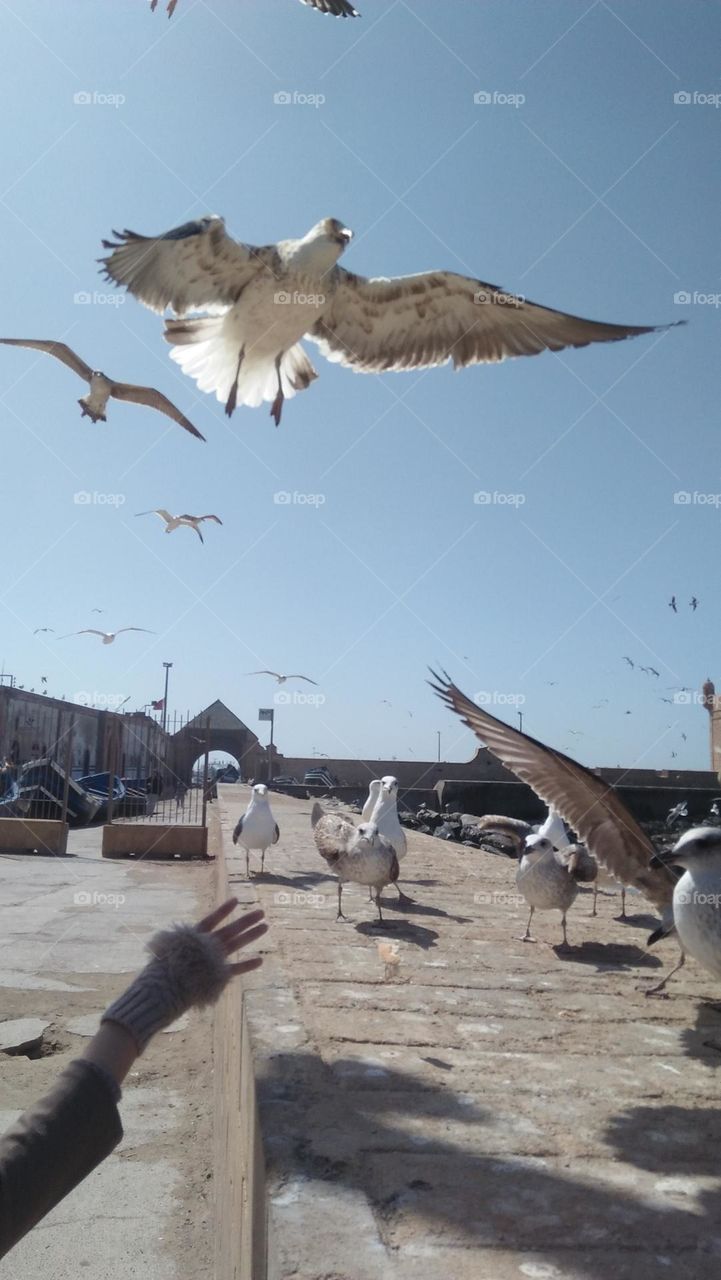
x,y
265,713
159,705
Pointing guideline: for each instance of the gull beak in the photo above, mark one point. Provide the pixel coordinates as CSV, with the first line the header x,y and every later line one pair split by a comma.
x,y
345,235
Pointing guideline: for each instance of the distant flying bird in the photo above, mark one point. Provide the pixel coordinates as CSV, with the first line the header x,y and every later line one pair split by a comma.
x,y
551,682
668,700
281,679
97,611
264,300
338,8
38,630
628,660
43,679
107,636
176,522
650,671
694,603
683,735
103,388
672,604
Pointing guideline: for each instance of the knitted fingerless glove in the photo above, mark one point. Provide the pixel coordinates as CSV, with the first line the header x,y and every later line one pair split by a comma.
x,y
189,971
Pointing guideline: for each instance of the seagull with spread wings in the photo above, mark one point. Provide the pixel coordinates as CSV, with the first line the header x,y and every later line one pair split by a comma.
x,y
107,636
280,678
260,302
177,522
102,388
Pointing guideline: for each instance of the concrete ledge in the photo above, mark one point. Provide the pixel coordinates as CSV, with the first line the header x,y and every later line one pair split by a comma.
x,y
30,835
148,840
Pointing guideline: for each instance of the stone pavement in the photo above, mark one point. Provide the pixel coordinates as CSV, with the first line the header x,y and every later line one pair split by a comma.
x,y
498,1111
70,928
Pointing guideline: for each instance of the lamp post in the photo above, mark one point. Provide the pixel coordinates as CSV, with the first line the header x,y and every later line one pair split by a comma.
x,y
520,721
167,666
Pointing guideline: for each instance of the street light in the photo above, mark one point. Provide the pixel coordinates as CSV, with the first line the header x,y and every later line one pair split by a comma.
x,y
167,666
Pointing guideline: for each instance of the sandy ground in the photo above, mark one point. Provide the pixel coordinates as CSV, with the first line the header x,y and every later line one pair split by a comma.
x,y
72,930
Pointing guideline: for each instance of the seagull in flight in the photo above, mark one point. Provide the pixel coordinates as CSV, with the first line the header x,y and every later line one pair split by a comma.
x,y
107,636
177,522
260,302
694,603
338,8
672,604
281,679
39,630
630,663
102,388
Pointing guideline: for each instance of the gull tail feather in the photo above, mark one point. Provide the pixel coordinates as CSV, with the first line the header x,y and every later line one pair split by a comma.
x,y
205,351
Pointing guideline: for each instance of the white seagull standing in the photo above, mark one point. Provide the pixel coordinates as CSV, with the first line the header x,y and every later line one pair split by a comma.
x,y
548,877
554,829
385,818
360,854
107,636
370,804
102,388
177,522
697,895
280,678
262,301
257,829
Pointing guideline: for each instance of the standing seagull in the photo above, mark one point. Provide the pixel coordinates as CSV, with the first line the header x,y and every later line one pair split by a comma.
x,y
264,300
176,522
107,636
281,679
360,855
385,818
548,878
103,388
697,895
257,829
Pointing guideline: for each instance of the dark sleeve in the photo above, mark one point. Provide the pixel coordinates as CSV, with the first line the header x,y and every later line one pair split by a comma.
x,y
53,1146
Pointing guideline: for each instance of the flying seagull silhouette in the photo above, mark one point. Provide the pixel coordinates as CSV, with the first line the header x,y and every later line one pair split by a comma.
x,y
103,388
281,679
107,636
672,604
177,522
338,8
248,350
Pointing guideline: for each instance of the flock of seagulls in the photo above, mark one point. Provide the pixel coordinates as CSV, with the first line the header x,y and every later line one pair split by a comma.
x,y
338,8
692,604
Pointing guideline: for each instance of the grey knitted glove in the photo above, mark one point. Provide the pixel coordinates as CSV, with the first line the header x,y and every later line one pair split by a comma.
x,y
189,971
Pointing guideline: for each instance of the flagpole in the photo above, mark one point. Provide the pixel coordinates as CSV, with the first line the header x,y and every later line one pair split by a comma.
x,y
167,666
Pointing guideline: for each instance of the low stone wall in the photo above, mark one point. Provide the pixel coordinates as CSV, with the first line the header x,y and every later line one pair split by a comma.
x,y
30,835
153,840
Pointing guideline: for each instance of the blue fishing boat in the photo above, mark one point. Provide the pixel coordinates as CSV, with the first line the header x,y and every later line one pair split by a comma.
x,y
98,786
42,785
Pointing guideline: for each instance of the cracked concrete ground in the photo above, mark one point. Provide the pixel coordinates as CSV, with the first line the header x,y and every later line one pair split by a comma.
x,y
499,1110
72,930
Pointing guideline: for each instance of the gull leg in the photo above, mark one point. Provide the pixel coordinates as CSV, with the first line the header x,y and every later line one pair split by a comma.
x,y
563,946
262,862
653,991
595,896
378,904
277,406
623,903
247,864
527,935
233,397
340,915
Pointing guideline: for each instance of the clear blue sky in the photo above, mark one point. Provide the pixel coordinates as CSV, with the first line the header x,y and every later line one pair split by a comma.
x,y
598,194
